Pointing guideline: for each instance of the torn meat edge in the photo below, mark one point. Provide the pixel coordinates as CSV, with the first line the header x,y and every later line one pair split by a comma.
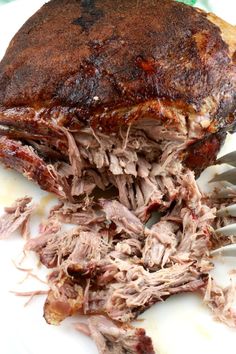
x,y
15,217
111,338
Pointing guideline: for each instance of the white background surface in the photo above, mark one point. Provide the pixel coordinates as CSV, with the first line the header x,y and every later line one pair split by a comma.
x,y
181,325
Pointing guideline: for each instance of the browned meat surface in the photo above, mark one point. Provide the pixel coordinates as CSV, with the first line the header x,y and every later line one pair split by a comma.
x,y
64,300
124,54
24,160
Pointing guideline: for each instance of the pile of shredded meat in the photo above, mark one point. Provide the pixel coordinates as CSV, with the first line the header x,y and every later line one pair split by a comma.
x,y
110,263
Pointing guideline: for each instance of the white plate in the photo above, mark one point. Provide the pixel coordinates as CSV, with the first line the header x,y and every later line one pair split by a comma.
x,y
181,325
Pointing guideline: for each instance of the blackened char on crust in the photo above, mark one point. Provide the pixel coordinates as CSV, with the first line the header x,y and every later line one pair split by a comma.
x,y
99,56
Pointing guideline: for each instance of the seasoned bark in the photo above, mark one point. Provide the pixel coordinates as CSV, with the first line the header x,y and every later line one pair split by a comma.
x,y
116,55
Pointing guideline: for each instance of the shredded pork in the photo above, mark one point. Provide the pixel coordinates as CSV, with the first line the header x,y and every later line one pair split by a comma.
x,y
122,266
110,262
110,338
15,217
222,302
134,161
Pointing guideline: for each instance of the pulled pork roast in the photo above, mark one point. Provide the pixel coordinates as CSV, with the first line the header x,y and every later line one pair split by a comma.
x,y
119,100
104,95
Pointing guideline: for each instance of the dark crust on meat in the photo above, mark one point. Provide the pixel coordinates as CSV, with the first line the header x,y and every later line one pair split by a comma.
x,y
14,155
204,152
98,56
144,345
